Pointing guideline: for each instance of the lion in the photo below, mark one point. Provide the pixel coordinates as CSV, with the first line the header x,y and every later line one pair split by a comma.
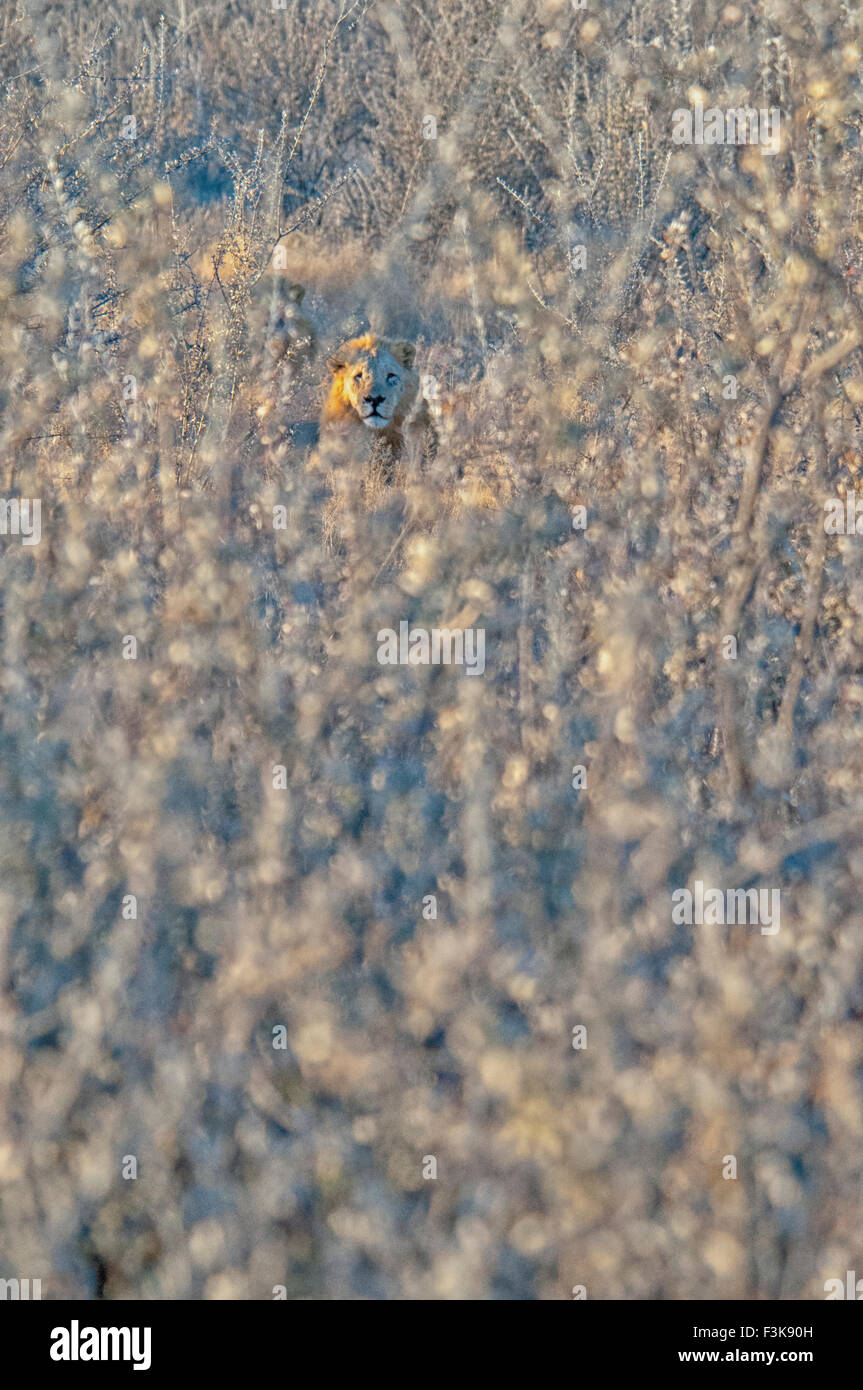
x,y
291,342
375,393
375,429
287,347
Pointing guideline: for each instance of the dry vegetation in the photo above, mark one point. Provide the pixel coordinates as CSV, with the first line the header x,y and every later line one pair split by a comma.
x,y
152,363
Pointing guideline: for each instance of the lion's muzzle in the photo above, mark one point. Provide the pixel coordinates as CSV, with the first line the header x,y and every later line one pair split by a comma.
x,y
371,412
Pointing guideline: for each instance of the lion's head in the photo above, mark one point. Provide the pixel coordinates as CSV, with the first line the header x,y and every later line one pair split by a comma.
x,y
374,382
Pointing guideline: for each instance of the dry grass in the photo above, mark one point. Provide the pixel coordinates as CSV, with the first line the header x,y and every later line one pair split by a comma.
x,y
140,307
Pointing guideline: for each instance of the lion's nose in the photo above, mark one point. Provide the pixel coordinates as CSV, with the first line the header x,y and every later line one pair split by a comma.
x,y
375,401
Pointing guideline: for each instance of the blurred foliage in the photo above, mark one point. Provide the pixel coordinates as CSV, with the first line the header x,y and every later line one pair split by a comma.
x,y
143,403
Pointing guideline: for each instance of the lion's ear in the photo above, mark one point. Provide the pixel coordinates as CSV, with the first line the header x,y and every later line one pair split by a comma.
x,y
336,363
404,354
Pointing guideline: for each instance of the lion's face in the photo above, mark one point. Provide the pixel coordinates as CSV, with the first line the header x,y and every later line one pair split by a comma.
x,y
375,379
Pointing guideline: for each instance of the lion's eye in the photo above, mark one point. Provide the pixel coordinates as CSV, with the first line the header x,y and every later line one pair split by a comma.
x,y
358,376
392,379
